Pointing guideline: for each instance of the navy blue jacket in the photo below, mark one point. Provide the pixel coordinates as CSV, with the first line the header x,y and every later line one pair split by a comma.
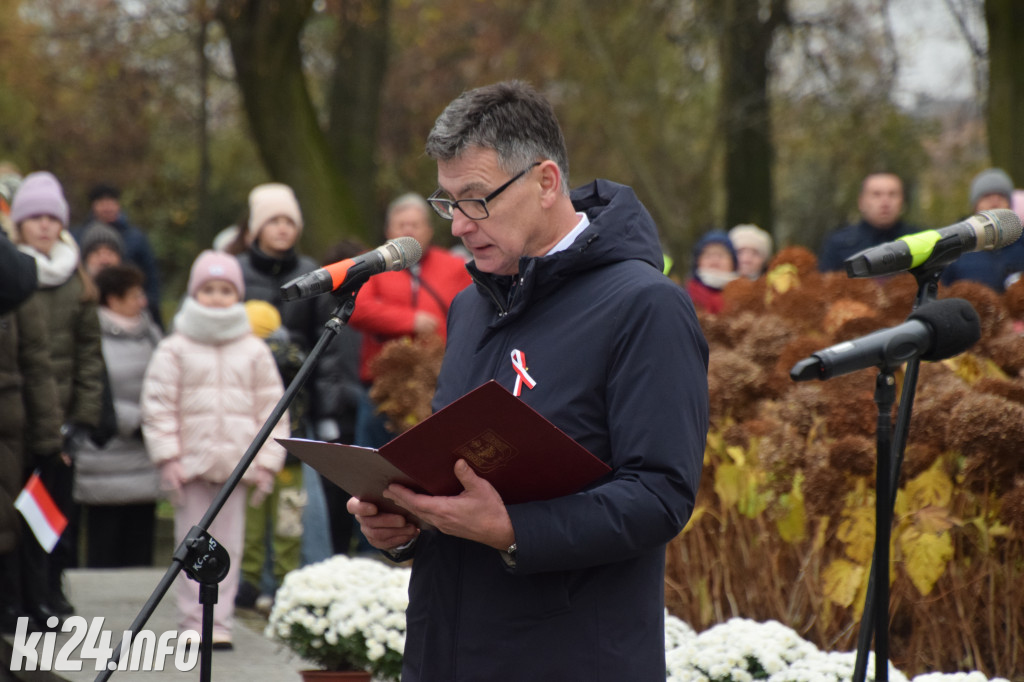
x,y
846,241
990,268
621,366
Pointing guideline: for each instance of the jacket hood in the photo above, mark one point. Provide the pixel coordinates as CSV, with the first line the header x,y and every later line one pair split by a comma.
x,y
620,229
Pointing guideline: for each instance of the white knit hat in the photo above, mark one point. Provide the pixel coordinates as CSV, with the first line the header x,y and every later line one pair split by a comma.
x,y
269,201
751,237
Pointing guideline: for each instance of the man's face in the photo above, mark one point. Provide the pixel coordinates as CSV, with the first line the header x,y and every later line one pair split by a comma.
x,y
106,209
410,221
881,200
516,226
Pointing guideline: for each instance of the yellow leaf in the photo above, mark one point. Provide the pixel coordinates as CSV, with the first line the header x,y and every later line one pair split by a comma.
x,y
729,484
999,530
793,526
715,441
925,556
857,532
971,368
820,535
780,280
842,580
735,452
932,488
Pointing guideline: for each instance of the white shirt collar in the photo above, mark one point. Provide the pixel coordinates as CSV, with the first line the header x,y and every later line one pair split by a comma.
x,y
568,239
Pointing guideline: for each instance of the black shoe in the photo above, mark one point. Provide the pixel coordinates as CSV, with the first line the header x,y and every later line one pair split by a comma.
x,y
43,619
222,646
246,596
60,604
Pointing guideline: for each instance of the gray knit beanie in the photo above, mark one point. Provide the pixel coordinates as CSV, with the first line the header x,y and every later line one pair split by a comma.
x,y
991,181
98,234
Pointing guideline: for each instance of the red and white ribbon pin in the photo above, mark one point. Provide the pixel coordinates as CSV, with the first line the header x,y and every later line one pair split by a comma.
x,y
522,376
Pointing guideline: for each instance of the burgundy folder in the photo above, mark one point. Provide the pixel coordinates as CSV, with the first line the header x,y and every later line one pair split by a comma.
x,y
523,455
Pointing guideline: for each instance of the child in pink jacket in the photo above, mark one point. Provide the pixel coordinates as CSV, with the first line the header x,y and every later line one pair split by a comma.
x,y
209,388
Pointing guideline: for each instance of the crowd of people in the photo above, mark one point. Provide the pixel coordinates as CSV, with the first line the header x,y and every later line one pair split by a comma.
x,y
114,410
720,257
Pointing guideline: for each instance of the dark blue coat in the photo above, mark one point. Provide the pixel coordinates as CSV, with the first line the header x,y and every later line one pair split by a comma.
x,y
621,366
846,241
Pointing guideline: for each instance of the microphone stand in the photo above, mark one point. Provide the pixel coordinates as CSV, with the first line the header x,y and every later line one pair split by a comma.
x,y
875,619
201,557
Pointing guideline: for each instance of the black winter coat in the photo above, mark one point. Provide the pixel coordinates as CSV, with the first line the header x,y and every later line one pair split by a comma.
x,y
17,275
30,415
621,366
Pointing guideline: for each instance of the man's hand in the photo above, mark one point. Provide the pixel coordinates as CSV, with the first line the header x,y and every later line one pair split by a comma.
x,y
383,531
424,323
477,513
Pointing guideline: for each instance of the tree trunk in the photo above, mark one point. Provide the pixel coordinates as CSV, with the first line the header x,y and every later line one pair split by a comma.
x,y
264,38
1005,86
360,63
745,112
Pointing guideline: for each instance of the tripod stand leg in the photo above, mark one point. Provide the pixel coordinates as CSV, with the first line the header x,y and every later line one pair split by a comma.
x,y
208,598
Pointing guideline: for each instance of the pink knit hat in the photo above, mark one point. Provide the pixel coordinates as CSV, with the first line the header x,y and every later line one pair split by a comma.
x,y
211,265
269,201
40,193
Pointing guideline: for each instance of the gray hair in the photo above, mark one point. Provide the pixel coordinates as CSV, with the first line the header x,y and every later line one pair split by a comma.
x,y
511,118
405,201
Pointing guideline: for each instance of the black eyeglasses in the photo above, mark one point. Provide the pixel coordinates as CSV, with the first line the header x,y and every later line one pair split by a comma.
x,y
474,209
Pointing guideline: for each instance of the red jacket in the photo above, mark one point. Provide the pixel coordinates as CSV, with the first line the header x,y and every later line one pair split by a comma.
x,y
387,303
704,297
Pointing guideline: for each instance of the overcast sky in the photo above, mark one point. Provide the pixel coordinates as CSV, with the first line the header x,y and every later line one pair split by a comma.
x,y
935,59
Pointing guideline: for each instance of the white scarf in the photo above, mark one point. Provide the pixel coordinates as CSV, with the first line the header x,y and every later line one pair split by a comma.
x,y
716,279
211,325
57,267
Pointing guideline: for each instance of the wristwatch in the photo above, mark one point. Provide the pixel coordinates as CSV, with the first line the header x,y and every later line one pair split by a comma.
x,y
509,555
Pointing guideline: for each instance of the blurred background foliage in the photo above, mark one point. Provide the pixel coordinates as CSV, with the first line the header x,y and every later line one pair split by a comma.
x,y
716,112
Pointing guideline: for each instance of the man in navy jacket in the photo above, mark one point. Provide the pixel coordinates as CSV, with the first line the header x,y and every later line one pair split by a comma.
x,y
570,303
880,203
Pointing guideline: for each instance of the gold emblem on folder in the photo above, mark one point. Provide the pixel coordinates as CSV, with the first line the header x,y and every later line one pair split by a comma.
x,y
486,452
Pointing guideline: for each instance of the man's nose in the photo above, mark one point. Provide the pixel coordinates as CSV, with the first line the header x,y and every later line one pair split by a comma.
x,y
461,225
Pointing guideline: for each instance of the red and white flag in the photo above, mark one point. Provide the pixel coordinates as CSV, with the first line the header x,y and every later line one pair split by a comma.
x,y
41,513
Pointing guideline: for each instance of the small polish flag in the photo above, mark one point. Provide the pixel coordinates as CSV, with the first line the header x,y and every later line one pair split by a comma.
x,y
42,515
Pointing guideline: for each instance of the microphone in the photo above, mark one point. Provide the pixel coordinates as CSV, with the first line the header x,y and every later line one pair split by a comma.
x,y
935,331
395,254
985,231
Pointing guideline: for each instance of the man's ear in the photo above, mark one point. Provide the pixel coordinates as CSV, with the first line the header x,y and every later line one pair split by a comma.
x,y
550,182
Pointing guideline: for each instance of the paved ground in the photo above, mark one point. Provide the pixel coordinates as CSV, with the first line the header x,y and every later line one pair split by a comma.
x,y
119,595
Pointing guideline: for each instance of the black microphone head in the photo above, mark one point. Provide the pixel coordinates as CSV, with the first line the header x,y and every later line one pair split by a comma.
x,y
1006,227
955,323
